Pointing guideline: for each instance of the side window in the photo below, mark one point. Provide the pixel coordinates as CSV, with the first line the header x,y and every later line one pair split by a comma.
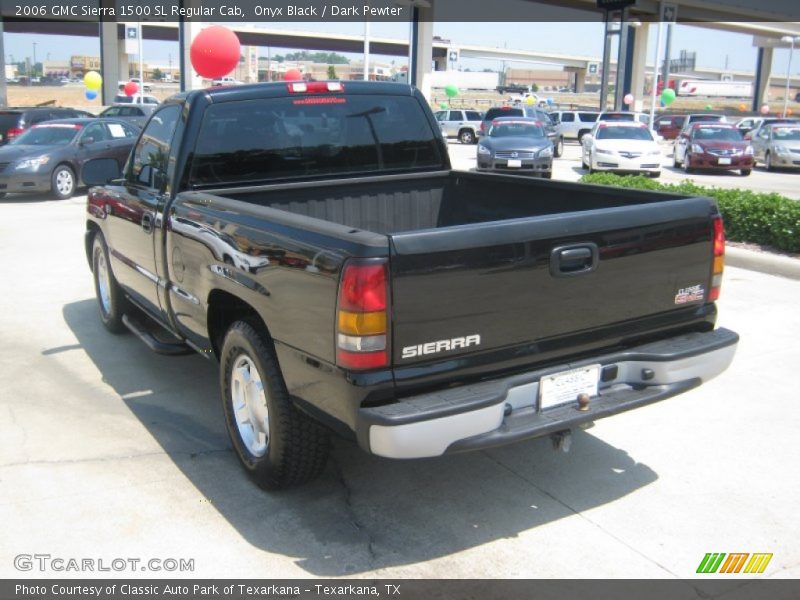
x,y
441,115
96,131
473,115
117,131
39,117
588,117
152,151
568,117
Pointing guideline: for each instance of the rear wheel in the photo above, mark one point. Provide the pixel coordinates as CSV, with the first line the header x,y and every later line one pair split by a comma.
x,y
745,172
466,136
581,134
110,298
687,163
62,182
278,445
655,174
768,162
2,194
547,175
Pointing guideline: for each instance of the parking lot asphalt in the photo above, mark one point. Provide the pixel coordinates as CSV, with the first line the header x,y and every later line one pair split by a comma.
x,y
108,450
568,168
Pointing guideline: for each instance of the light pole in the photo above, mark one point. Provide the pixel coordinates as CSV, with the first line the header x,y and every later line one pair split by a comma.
x,y
788,39
33,70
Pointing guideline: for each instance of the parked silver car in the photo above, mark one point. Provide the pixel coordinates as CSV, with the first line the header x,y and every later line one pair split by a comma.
x,y
516,145
777,145
461,124
574,124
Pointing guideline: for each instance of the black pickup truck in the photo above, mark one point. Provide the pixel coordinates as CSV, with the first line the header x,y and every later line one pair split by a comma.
x,y
312,237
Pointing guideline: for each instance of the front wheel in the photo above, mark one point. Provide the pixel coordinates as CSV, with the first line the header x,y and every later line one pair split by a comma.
x,y
745,172
558,149
768,162
687,164
110,298
62,182
277,445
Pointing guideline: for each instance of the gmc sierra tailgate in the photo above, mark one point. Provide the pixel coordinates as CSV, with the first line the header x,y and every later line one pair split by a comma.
x,y
517,286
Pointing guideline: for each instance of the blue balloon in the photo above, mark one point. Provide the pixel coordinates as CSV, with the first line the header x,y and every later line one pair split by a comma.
x,y
549,101
91,94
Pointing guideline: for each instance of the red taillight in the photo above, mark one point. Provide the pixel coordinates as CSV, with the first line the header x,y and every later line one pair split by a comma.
x,y
314,87
719,259
14,132
363,288
483,126
362,315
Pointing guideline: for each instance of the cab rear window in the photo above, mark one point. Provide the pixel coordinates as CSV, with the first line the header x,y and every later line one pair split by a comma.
x,y
254,141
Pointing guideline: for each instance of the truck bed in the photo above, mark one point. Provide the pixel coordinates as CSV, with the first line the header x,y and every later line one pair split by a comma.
x,y
430,201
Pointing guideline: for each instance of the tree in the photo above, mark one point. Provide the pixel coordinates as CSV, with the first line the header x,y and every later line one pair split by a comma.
x,y
332,72
157,74
534,88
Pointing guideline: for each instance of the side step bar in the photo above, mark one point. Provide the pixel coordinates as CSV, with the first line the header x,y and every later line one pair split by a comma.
x,y
175,348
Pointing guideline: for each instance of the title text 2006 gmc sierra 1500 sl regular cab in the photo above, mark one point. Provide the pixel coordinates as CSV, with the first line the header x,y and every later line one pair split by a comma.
x,y
313,238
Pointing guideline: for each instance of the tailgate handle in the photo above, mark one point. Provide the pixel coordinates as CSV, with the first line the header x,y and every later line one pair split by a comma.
x,y
577,259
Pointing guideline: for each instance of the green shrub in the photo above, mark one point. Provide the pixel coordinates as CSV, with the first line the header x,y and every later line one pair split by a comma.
x,y
769,219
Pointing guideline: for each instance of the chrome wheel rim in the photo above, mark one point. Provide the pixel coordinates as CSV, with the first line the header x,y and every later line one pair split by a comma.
x,y
64,182
249,403
103,282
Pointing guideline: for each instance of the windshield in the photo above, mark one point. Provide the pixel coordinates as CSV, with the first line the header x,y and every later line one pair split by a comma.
x,y
623,133
723,134
786,134
46,135
311,136
502,130
8,120
618,117
504,111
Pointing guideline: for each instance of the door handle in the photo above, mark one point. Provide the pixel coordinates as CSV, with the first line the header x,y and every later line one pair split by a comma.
x,y
575,259
147,222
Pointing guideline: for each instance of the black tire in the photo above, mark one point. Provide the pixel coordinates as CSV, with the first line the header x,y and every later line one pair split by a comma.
x,y
111,300
466,136
2,194
63,182
745,172
655,174
547,175
581,134
687,164
297,447
768,162
558,148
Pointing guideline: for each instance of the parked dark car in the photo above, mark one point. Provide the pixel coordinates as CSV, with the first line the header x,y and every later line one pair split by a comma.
x,y
14,121
49,156
669,126
530,112
516,144
349,280
713,147
134,113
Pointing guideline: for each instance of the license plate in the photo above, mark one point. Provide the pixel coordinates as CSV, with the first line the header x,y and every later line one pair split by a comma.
x,y
564,387
723,161
514,163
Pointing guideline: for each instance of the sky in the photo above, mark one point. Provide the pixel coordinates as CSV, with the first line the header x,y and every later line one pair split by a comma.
x,y
714,48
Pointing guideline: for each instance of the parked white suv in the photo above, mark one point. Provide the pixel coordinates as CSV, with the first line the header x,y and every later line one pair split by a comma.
x,y
574,124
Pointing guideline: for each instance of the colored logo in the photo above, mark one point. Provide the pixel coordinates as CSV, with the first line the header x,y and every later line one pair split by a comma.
x,y
737,562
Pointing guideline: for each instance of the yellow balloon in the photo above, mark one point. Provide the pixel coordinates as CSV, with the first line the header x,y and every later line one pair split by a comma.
x,y
530,100
93,81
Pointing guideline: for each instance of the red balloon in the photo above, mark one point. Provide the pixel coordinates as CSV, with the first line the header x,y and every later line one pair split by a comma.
x,y
215,52
131,88
293,75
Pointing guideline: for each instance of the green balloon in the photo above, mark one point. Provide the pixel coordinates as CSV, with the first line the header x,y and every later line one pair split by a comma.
x,y
442,104
709,107
451,90
668,96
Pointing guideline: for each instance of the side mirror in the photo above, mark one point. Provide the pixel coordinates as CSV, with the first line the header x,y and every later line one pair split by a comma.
x,y
86,141
100,171
748,135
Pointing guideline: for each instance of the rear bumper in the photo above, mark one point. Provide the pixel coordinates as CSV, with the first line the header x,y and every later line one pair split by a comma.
x,y
502,411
